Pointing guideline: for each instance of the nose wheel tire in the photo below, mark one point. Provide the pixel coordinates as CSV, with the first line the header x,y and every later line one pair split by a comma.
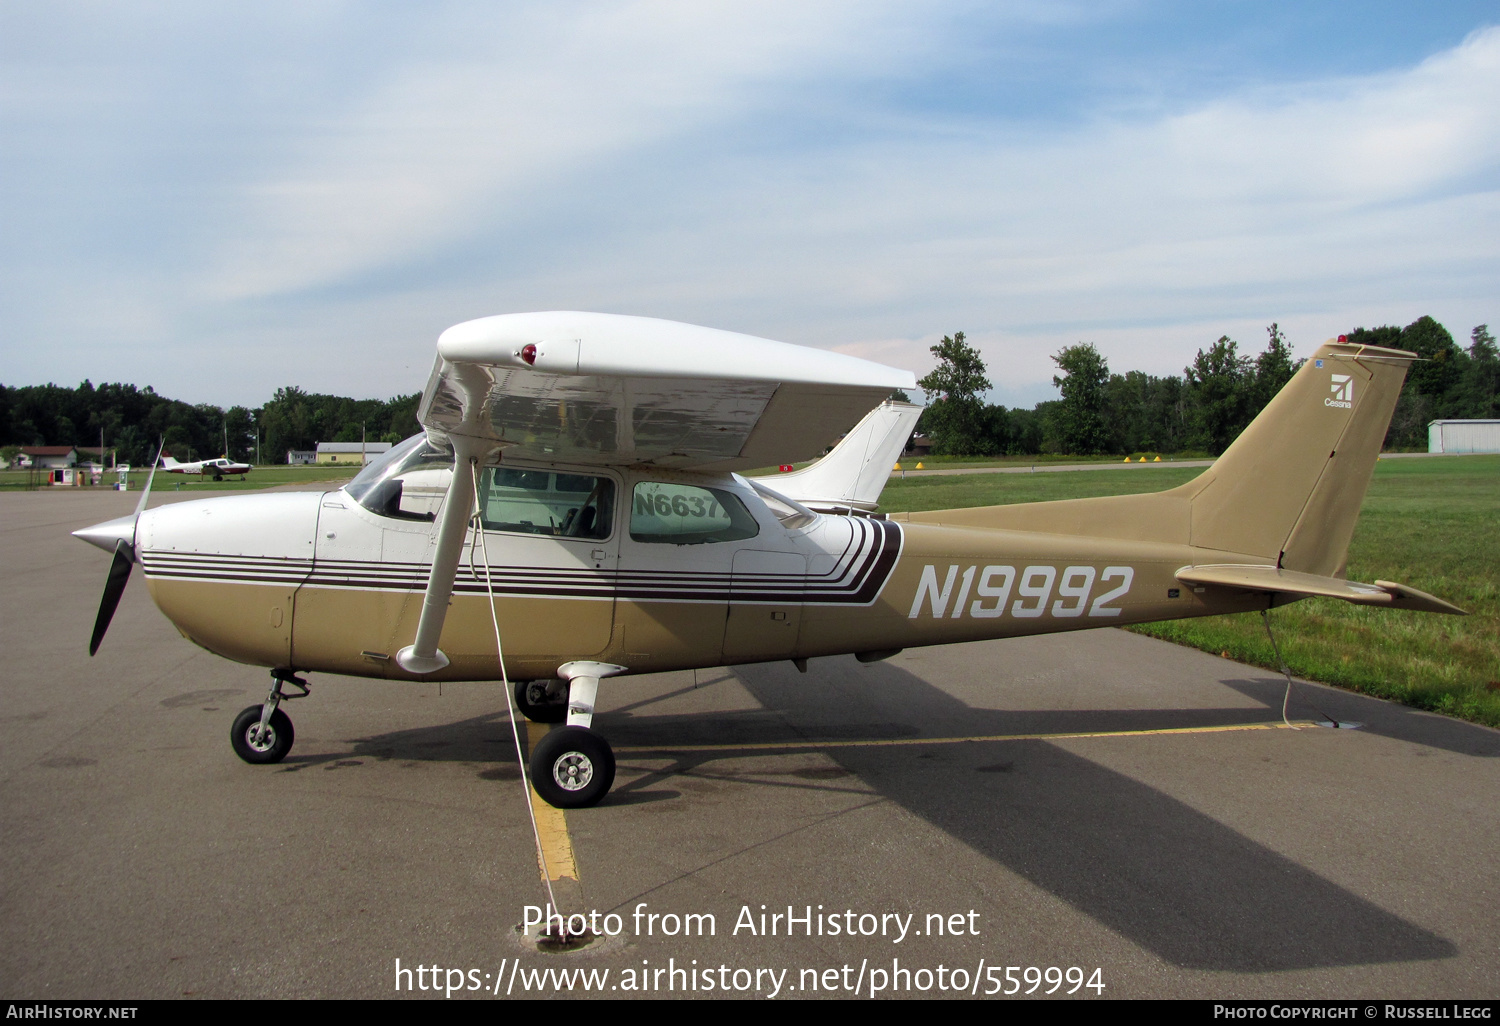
x,y
535,703
272,744
572,768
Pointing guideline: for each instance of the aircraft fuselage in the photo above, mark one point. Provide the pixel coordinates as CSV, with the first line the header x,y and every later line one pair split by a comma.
x,y
318,582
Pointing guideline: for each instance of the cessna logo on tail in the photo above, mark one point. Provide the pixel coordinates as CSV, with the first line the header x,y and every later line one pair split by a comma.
x,y
1343,391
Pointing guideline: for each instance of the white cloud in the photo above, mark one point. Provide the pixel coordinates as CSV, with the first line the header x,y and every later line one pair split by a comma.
x,y
445,146
750,167
1328,204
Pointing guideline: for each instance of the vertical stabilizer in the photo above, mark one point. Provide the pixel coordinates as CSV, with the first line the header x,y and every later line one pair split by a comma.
x,y
855,471
1285,494
1290,487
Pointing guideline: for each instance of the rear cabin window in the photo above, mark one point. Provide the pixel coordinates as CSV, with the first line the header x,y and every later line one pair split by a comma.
x,y
546,502
688,515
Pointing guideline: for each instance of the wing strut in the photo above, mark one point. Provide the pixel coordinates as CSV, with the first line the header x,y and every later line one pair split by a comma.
x,y
423,654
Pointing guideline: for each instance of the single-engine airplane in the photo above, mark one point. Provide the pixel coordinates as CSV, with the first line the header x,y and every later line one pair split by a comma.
x,y
576,503
218,468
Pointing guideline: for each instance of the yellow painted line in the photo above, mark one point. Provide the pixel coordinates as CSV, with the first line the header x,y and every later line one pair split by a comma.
x,y
551,825
892,742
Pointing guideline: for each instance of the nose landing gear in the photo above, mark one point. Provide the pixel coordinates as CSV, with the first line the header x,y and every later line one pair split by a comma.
x,y
263,733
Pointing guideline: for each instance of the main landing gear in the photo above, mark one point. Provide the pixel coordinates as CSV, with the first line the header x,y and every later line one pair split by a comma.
x,y
573,767
263,733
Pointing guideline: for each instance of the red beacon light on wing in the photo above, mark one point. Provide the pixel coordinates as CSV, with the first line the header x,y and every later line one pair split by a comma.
x,y
528,353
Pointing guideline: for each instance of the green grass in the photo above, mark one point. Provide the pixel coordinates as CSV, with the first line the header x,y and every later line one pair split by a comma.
x,y
1039,460
977,462
1431,523
260,477
959,491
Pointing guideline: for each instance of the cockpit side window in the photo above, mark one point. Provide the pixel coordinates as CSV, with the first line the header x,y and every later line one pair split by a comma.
x,y
556,503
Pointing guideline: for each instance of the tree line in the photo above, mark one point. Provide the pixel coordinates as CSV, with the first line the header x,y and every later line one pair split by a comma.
x,y
1100,412
1097,411
135,420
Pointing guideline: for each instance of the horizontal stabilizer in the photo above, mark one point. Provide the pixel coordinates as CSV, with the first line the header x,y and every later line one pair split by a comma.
x,y
1289,582
855,472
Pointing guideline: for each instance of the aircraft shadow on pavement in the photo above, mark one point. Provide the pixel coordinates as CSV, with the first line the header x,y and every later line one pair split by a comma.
x,y
1158,872
1178,883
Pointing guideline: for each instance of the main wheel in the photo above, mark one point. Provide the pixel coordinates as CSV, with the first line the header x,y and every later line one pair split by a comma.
x,y
272,745
536,705
572,768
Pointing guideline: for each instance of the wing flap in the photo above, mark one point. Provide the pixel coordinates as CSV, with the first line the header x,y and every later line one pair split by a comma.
x,y
1272,579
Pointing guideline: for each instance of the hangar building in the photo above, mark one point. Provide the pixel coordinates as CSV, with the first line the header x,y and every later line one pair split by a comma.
x,y
350,452
1463,436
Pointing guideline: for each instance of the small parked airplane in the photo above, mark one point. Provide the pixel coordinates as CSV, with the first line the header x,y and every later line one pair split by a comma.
x,y
575,511
218,468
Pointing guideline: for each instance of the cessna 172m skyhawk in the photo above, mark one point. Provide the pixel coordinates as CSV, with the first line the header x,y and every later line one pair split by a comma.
x,y
574,498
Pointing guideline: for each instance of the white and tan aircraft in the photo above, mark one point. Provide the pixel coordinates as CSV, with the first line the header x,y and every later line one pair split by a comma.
x,y
575,511
218,468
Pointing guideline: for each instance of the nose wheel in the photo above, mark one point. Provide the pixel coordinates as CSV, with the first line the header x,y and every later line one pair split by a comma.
x,y
263,733
572,768
257,744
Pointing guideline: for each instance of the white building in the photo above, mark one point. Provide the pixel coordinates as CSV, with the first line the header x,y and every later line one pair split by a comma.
x,y
1463,436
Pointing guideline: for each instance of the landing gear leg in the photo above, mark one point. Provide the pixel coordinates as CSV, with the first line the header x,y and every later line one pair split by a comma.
x,y
263,733
573,767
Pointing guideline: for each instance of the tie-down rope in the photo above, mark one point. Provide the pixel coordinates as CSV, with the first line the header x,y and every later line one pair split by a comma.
x,y
510,705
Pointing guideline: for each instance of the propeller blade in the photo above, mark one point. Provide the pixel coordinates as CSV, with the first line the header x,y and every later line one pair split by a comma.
x,y
146,492
114,587
119,567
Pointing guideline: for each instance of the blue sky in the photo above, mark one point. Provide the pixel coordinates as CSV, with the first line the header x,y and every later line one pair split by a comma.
x,y
219,201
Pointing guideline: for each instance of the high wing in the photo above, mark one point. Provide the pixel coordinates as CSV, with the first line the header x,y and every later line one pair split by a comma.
x,y
608,389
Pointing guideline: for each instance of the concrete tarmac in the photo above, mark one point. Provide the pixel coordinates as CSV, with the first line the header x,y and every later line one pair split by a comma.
x,y
1130,830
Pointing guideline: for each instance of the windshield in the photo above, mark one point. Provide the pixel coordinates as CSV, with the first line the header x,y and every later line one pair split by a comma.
x,y
407,483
